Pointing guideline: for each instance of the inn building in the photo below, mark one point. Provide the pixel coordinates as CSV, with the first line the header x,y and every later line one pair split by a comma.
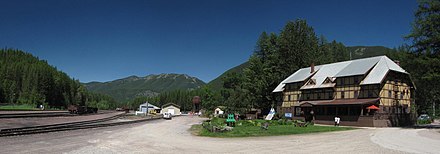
x,y
373,92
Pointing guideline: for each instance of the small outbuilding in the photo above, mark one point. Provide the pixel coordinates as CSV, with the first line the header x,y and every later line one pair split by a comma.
x,y
172,108
148,107
218,111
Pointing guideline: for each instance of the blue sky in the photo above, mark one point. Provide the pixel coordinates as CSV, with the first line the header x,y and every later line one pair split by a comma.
x,y
97,40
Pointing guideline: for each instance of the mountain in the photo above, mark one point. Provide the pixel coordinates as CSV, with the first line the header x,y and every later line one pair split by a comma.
x,y
358,52
217,83
133,86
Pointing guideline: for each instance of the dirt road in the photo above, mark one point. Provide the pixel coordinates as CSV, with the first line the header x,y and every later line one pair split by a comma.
x,y
172,136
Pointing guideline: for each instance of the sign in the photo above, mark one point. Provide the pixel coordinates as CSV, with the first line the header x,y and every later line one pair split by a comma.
x,y
288,115
271,114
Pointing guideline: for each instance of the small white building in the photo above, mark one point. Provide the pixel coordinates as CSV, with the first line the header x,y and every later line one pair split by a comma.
x,y
218,111
147,107
172,108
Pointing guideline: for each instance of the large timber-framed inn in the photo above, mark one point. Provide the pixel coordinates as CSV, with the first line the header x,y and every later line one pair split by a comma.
x,y
349,89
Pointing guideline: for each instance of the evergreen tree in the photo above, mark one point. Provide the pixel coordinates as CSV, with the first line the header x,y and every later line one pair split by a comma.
x,y
24,79
425,32
425,64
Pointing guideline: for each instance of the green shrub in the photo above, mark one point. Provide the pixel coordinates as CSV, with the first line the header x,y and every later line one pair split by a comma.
x,y
248,122
217,121
425,121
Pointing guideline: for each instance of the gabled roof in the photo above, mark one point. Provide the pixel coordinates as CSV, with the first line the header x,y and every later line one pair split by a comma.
x,y
376,67
380,70
149,105
170,104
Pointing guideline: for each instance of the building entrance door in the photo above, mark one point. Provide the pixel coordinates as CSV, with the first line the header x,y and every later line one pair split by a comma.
x,y
308,116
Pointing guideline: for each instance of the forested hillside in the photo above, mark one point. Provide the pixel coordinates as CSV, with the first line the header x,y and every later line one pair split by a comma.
x,y
25,79
217,83
126,89
357,52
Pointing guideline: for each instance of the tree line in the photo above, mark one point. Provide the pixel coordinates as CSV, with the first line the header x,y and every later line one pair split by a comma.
x,y
24,79
27,80
183,98
276,56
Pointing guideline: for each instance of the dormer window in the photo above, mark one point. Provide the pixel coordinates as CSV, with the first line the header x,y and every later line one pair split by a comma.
x,y
328,80
311,82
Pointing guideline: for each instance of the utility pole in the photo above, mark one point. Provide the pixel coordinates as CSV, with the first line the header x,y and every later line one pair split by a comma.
x,y
350,54
146,114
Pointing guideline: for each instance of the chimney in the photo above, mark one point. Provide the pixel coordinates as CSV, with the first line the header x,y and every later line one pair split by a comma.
x,y
397,62
312,67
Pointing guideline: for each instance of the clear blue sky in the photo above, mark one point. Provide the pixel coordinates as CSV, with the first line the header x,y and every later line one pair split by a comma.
x,y
98,40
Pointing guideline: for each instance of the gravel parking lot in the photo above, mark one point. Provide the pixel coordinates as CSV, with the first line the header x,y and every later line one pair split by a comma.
x,y
172,136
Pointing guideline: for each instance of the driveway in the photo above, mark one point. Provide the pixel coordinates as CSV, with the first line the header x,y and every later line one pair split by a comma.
x,y
172,136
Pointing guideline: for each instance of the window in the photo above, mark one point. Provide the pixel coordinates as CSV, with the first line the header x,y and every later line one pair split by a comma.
x,y
401,95
331,111
390,94
342,94
343,110
351,81
370,93
311,82
297,111
288,98
356,93
356,111
356,80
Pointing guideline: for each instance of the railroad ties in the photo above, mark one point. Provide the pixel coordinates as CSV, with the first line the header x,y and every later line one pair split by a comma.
x,y
105,122
35,114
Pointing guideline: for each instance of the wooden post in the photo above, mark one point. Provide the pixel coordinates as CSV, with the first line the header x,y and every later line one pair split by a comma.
x,y
362,110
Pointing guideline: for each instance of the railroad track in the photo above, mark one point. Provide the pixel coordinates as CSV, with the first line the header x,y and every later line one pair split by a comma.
x,y
35,114
69,126
46,114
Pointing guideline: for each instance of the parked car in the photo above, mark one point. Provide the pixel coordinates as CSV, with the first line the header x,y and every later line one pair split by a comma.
x,y
424,117
167,115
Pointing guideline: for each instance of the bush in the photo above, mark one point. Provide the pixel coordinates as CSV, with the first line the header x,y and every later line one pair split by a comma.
x,y
248,122
217,121
423,121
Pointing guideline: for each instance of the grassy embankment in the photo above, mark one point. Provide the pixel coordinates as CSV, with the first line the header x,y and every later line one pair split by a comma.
x,y
19,107
23,107
246,128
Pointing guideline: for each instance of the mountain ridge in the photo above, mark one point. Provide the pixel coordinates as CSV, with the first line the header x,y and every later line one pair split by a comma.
x,y
130,87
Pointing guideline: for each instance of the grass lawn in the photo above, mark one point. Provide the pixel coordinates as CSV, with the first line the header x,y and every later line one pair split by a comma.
x,y
252,131
19,107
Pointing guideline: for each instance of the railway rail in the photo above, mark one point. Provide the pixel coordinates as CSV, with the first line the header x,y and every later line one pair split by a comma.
x,y
31,114
35,114
70,126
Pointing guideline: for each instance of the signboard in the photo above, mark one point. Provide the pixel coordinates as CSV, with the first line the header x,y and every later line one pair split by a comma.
x,y
288,115
271,114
